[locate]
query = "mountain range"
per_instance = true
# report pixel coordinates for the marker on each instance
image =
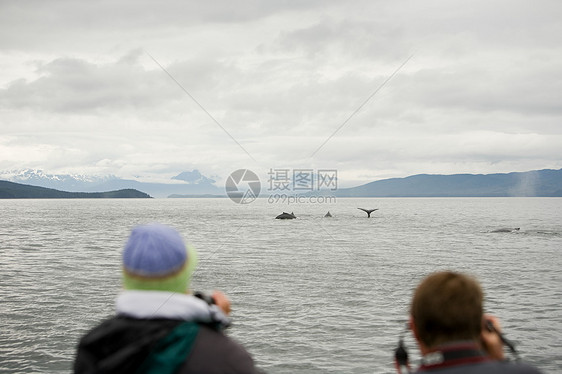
(186, 183)
(545, 182)
(11, 190)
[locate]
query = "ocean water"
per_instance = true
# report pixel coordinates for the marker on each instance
(311, 295)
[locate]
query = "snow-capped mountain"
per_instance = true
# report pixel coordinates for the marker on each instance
(194, 183)
(64, 182)
(193, 177)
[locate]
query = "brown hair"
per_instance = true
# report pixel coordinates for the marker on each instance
(446, 307)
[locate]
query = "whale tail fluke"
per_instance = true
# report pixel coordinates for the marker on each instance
(368, 211)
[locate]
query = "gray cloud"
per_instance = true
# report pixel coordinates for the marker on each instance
(40, 25)
(76, 85)
(487, 88)
(480, 94)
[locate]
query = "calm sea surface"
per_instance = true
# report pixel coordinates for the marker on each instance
(311, 295)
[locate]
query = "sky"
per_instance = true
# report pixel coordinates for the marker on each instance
(372, 89)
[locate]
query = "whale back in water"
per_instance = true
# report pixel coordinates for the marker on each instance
(328, 214)
(286, 215)
(506, 230)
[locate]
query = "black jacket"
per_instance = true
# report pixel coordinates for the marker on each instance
(129, 345)
(467, 358)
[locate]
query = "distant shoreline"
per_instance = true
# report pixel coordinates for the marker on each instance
(11, 190)
(534, 183)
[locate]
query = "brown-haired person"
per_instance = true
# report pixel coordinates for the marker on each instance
(452, 332)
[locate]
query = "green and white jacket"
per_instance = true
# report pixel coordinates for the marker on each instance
(162, 332)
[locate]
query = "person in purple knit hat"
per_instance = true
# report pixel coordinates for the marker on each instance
(159, 327)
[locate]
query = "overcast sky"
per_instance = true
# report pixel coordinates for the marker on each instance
(475, 87)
